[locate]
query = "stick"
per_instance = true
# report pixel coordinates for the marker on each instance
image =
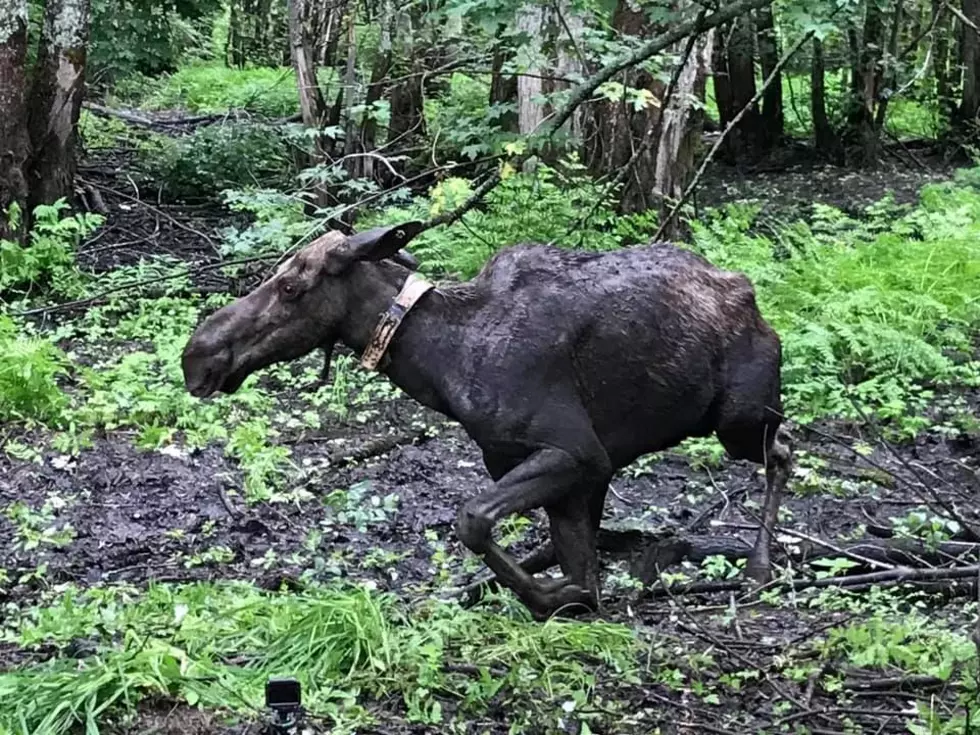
(892, 576)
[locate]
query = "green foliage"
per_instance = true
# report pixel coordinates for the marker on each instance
(48, 258)
(461, 122)
(277, 223)
(212, 88)
(217, 157)
(145, 36)
(177, 641)
(548, 205)
(29, 369)
(871, 317)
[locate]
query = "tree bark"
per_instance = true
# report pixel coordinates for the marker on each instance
(571, 25)
(503, 87)
(406, 95)
(886, 74)
(772, 98)
(56, 101)
(379, 75)
(14, 139)
(680, 132)
(615, 129)
(940, 62)
(313, 108)
(530, 112)
(865, 83)
(825, 139)
(311, 104)
(970, 61)
(746, 138)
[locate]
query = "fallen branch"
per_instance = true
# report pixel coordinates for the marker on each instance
(911, 681)
(376, 447)
(902, 575)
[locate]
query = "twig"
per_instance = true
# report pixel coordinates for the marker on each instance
(891, 576)
(170, 218)
(914, 681)
(728, 128)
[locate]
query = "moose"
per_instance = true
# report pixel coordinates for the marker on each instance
(562, 365)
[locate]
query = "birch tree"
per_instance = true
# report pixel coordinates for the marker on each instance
(56, 100)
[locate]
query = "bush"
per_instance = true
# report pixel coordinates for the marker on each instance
(49, 256)
(874, 314)
(218, 157)
(562, 206)
(29, 369)
(265, 91)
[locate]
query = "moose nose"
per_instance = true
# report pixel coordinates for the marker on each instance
(205, 367)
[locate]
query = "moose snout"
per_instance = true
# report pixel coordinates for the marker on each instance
(205, 367)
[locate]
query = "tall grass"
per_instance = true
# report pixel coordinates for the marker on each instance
(215, 645)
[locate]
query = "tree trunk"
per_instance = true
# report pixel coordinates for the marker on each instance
(886, 73)
(614, 130)
(747, 137)
(313, 109)
(56, 101)
(569, 59)
(970, 60)
(379, 75)
(530, 112)
(940, 62)
(503, 88)
(825, 139)
(14, 140)
(772, 98)
(865, 83)
(406, 96)
(311, 104)
(680, 133)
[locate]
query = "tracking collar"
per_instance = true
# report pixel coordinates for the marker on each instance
(414, 288)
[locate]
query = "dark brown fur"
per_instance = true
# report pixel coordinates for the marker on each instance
(563, 366)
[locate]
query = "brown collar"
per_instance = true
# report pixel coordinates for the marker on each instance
(415, 287)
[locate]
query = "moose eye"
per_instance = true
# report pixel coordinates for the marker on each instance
(288, 289)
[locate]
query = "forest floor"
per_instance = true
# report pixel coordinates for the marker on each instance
(723, 661)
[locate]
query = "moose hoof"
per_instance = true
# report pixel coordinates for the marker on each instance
(564, 597)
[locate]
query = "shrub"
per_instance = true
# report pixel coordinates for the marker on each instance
(49, 256)
(562, 205)
(29, 369)
(217, 157)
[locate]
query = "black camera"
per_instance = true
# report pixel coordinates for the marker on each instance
(284, 697)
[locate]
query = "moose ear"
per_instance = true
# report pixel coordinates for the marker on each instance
(383, 242)
(406, 259)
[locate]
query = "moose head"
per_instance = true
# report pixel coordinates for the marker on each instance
(305, 305)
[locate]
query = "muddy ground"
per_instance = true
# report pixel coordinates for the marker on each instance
(141, 515)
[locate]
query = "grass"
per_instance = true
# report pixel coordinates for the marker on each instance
(215, 645)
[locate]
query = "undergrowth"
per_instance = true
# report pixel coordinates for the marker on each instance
(215, 645)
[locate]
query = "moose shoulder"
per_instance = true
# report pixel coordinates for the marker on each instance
(563, 366)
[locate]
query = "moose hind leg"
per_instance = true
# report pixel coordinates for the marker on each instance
(769, 444)
(574, 538)
(779, 463)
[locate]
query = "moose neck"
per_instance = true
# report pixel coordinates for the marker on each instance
(412, 360)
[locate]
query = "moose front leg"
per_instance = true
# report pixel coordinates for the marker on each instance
(550, 478)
